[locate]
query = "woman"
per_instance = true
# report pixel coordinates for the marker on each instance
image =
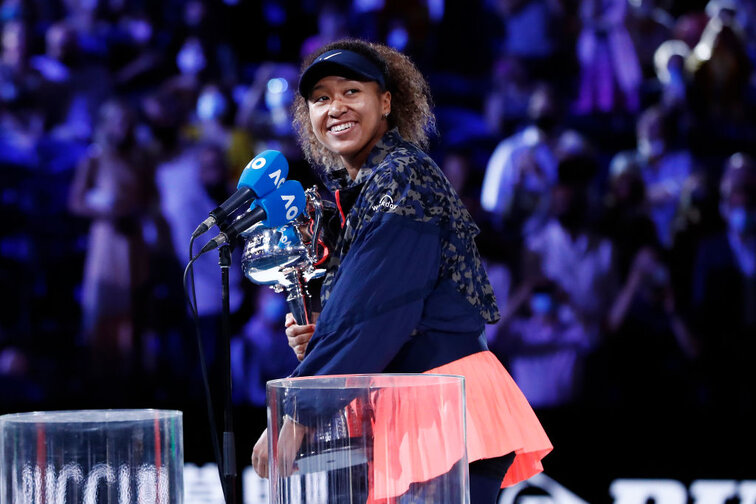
(405, 290)
(114, 187)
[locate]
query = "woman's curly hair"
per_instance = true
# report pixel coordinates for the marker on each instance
(411, 104)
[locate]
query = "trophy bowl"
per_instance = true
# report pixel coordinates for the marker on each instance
(285, 260)
(270, 252)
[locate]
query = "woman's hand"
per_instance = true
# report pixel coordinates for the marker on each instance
(299, 335)
(260, 455)
(289, 440)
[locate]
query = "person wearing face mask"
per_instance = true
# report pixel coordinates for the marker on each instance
(523, 168)
(571, 255)
(544, 342)
(724, 289)
(664, 170)
(405, 290)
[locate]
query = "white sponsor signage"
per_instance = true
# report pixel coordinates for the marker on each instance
(202, 487)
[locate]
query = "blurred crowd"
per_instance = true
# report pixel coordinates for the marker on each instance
(604, 147)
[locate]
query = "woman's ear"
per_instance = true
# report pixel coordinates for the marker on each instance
(386, 103)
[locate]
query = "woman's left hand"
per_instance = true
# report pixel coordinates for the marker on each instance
(289, 440)
(299, 335)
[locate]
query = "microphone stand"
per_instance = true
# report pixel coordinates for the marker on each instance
(229, 446)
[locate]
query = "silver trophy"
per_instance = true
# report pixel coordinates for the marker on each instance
(286, 258)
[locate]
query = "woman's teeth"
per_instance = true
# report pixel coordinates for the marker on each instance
(341, 127)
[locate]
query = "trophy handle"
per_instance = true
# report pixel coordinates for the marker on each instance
(315, 212)
(298, 299)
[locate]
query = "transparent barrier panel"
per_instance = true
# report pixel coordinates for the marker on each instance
(396, 438)
(92, 457)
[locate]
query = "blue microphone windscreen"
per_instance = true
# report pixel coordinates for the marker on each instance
(265, 173)
(288, 237)
(283, 205)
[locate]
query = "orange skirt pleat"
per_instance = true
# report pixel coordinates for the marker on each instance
(499, 417)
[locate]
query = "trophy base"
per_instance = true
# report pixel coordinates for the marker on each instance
(332, 459)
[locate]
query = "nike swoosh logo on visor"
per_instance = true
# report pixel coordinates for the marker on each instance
(332, 55)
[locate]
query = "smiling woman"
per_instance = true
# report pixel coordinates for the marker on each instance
(410, 100)
(405, 290)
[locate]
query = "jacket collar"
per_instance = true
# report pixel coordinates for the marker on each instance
(339, 179)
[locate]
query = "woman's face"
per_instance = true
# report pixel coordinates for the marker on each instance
(347, 117)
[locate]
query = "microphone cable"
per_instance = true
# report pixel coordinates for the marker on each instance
(192, 300)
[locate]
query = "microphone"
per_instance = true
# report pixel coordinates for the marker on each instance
(275, 209)
(264, 174)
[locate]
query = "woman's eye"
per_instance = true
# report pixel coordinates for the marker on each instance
(352, 91)
(319, 99)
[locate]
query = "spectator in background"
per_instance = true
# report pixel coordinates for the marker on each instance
(569, 280)
(720, 67)
(531, 33)
(663, 169)
(14, 61)
(192, 179)
(608, 60)
(265, 109)
(138, 55)
(74, 86)
(724, 289)
(506, 104)
(20, 117)
(568, 250)
(647, 330)
(649, 26)
(644, 323)
(210, 122)
(544, 343)
(332, 26)
(261, 352)
(192, 63)
(697, 218)
(523, 168)
(669, 63)
(213, 123)
(114, 187)
(458, 164)
(625, 218)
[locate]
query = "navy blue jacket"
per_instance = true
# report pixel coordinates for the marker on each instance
(405, 289)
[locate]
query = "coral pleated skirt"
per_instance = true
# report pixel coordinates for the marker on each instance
(499, 418)
(499, 421)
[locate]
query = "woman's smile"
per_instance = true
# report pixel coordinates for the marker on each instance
(341, 127)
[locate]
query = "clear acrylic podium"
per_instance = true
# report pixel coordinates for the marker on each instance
(384, 438)
(92, 457)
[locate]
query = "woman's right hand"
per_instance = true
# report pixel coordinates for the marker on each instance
(260, 455)
(299, 335)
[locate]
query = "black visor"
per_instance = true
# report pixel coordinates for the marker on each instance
(343, 63)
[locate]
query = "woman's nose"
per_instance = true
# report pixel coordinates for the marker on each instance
(337, 107)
